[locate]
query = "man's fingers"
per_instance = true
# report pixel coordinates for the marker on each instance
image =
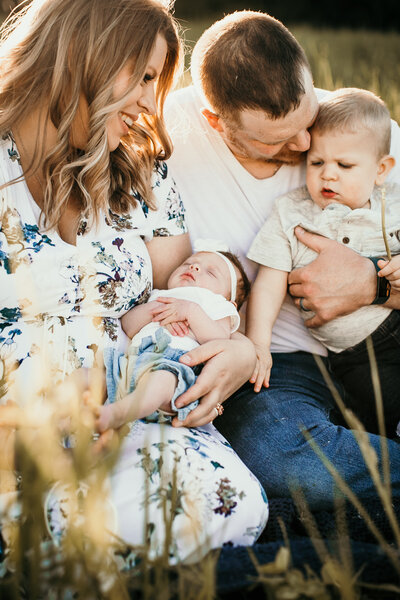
(296, 283)
(312, 240)
(315, 321)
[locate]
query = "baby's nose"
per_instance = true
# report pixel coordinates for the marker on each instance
(195, 267)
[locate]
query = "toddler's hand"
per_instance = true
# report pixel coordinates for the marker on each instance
(262, 369)
(391, 270)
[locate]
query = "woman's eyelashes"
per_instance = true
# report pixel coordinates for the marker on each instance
(147, 78)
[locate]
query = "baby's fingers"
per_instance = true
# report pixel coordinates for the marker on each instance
(166, 320)
(164, 315)
(178, 328)
(159, 310)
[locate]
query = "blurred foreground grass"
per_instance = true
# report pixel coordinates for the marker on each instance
(340, 58)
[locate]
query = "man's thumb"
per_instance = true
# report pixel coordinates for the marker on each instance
(312, 240)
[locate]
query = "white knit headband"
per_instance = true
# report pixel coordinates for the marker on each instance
(216, 247)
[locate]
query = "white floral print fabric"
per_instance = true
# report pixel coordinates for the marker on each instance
(60, 304)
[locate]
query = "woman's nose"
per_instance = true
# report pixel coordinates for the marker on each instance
(147, 100)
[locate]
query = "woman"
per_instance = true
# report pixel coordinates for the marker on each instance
(87, 208)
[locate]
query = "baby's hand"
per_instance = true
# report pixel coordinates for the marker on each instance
(262, 369)
(179, 328)
(172, 311)
(391, 270)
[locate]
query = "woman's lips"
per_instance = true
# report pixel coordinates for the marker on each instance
(127, 120)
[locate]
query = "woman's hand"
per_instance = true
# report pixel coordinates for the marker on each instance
(228, 365)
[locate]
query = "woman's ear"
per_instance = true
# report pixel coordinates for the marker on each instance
(385, 165)
(213, 120)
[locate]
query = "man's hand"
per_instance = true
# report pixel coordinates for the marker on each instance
(228, 365)
(337, 282)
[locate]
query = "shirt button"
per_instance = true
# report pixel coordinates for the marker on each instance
(345, 240)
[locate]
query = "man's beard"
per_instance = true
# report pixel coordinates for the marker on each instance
(287, 157)
(283, 157)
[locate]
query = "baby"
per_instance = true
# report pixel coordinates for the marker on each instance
(201, 304)
(347, 165)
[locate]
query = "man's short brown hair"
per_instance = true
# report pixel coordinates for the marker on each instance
(249, 60)
(352, 109)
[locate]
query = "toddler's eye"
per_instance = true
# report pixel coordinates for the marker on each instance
(315, 163)
(344, 165)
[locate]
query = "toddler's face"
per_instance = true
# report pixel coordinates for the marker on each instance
(203, 269)
(343, 168)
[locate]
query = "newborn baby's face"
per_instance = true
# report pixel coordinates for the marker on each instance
(203, 269)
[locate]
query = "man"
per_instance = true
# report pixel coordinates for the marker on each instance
(239, 134)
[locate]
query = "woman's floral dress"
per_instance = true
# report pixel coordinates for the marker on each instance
(60, 305)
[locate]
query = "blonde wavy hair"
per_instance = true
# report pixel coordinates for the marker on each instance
(51, 52)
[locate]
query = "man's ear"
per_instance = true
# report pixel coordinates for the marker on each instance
(386, 164)
(213, 120)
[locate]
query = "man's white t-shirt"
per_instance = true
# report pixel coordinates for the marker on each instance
(224, 201)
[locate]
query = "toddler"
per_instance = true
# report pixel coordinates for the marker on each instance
(347, 164)
(200, 304)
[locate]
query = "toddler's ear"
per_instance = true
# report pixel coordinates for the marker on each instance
(385, 165)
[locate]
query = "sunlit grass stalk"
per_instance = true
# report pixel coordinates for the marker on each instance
(381, 418)
(383, 220)
(309, 523)
(339, 573)
(346, 556)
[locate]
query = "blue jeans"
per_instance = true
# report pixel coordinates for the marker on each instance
(352, 368)
(265, 429)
